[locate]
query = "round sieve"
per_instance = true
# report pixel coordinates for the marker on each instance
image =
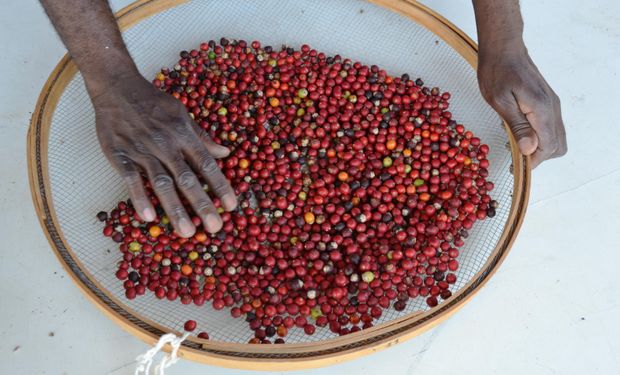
(71, 180)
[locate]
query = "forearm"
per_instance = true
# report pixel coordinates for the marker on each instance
(90, 33)
(513, 86)
(500, 27)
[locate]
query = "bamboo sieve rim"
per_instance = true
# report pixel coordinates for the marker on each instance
(288, 356)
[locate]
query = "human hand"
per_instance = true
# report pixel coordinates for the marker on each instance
(142, 129)
(514, 87)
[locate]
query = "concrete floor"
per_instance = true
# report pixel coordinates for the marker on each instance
(551, 309)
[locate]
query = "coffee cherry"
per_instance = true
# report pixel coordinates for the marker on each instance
(355, 191)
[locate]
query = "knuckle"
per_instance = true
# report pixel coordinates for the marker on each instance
(562, 150)
(562, 132)
(187, 179)
(220, 186)
(202, 134)
(547, 143)
(207, 164)
(125, 166)
(119, 153)
(162, 182)
(159, 138)
(204, 206)
(184, 130)
(121, 157)
(564, 146)
(548, 148)
(542, 97)
(140, 147)
(552, 151)
(176, 212)
(132, 178)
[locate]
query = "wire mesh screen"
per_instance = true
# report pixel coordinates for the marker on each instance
(83, 183)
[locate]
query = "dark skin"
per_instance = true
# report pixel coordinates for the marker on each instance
(142, 130)
(512, 84)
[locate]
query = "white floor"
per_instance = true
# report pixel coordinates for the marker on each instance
(552, 308)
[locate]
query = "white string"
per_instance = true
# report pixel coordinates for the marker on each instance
(146, 360)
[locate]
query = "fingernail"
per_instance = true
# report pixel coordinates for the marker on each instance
(186, 227)
(527, 145)
(148, 214)
(217, 151)
(229, 202)
(223, 150)
(213, 223)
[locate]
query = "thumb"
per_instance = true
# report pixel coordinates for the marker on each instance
(521, 129)
(217, 151)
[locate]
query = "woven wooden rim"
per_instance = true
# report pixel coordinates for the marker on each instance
(261, 357)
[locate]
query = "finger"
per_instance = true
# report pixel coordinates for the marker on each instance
(190, 186)
(217, 151)
(563, 146)
(205, 164)
(163, 186)
(538, 157)
(543, 113)
(131, 175)
(522, 130)
(560, 150)
(546, 149)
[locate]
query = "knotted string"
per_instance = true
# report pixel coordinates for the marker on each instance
(146, 360)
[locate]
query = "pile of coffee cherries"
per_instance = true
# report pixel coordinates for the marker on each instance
(356, 191)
